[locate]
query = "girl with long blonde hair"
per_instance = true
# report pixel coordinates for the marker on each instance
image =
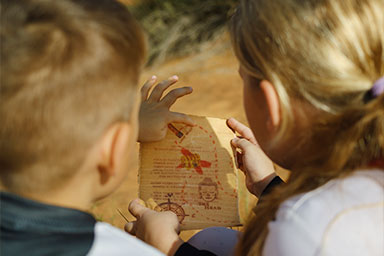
(313, 73)
(324, 61)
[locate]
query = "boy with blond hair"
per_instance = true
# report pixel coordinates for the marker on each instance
(69, 123)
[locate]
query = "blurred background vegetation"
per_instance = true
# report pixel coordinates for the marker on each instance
(179, 27)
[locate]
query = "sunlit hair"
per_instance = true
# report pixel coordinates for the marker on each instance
(69, 70)
(327, 54)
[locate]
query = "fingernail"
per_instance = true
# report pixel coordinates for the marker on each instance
(153, 77)
(175, 77)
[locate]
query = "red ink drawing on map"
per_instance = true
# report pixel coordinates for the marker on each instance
(175, 131)
(190, 160)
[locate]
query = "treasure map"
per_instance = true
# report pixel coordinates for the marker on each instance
(193, 174)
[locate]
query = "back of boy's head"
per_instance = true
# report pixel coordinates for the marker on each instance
(69, 70)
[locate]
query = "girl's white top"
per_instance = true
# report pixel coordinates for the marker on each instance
(343, 217)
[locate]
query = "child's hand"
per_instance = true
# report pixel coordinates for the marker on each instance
(257, 167)
(159, 229)
(154, 113)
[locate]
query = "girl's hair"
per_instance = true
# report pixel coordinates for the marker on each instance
(328, 54)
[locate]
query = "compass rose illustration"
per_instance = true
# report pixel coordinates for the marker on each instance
(173, 207)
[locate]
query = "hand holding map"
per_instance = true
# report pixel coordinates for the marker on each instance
(154, 109)
(259, 170)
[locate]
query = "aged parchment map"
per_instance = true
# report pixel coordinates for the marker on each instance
(192, 173)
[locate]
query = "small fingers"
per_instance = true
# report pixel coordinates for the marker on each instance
(136, 209)
(175, 117)
(147, 87)
(241, 143)
(238, 157)
(130, 227)
(161, 87)
(242, 129)
(175, 94)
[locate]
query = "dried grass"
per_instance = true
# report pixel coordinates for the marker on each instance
(179, 27)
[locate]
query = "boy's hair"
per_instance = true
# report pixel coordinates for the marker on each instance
(327, 54)
(69, 69)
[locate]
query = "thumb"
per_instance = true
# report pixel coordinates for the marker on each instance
(176, 117)
(130, 227)
(136, 209)
(242, 143)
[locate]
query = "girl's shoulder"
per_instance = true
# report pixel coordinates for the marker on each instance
(360, 188)
(327, 220)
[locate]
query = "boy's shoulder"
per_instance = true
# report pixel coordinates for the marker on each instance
(112, 241)
(44, 229)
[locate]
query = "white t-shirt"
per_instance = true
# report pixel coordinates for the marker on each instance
(342, 217)
(111, 241)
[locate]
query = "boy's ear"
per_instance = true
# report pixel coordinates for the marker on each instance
(114, 151)
(273, 104)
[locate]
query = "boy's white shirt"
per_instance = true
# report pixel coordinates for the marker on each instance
(112, 241)
(343, 217)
